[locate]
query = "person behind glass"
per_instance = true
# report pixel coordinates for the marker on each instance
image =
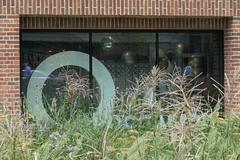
(27, 70)
(26, 74)
(188, 72)
(168, 64)
(166, 61)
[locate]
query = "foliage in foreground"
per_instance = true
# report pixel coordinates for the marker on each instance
(179, 124)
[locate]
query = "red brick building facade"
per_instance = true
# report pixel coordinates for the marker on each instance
(17, 15)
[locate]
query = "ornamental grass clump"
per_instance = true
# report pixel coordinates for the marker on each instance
(161, 116)
(73, 96)
(162, 98)
(15, 137)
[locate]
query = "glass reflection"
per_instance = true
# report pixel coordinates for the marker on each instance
(194, 53)
(38, 46)
(126, 55)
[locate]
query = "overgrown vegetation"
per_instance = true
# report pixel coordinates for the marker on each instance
(176, 121)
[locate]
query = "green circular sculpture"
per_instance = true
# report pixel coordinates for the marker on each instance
(74, 58)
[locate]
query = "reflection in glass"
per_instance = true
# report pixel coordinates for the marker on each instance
(130, 56)
(193, 53)
(127, 56)
(38, 46)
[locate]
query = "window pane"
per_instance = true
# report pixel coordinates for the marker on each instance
(201, 51)
(37, 47)
(126, 55)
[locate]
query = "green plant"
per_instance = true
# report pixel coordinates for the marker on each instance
(179, 122)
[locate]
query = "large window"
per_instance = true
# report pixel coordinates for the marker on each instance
(126, 55)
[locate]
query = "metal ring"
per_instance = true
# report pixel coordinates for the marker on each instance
(74, 58)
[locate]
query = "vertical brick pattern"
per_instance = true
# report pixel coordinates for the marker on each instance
(232, 66)
(9, 63)
(188, 23)
(122, 7)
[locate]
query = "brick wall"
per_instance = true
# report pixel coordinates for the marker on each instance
(232, 66)
(86, 23)
(122, 7)
(9, 63)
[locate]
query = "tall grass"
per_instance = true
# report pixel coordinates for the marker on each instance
(173, 120)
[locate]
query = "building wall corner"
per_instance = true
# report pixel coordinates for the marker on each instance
(10, 64)
(232, 66)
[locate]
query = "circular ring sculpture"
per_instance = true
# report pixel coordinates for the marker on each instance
(74, 58)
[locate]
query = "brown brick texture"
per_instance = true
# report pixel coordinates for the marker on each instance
(232, 66)
(123, 23)
(9, 63)
(122, 7)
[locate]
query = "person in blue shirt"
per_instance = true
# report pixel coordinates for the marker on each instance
(27, 70)
(187, 70)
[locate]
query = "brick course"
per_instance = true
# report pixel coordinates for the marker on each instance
(122, 7)
(86, 23)
(232, 66)
(115, 14)
(9, 63)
